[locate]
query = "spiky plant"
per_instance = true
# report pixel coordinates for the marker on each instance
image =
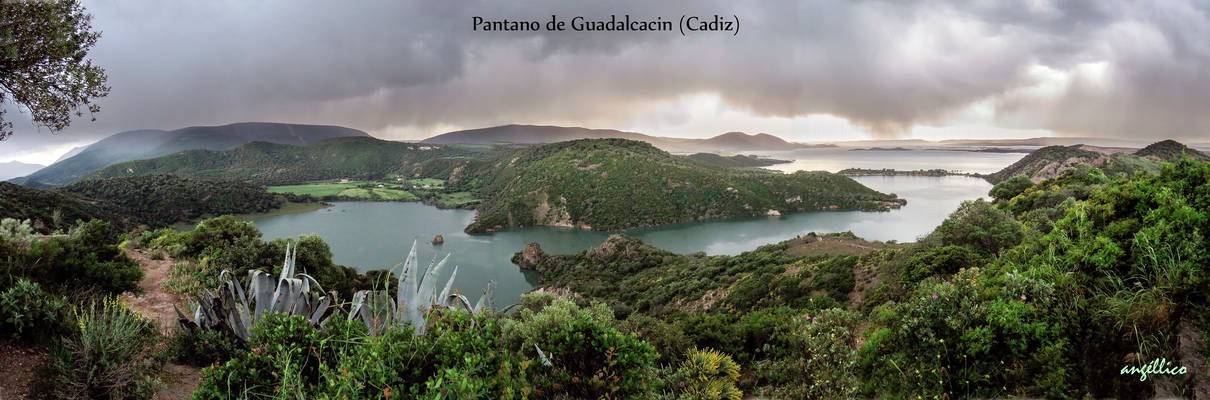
(709, 375)
(415, 296)
(236, 310)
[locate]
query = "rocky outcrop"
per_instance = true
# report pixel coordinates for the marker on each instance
(531, 257)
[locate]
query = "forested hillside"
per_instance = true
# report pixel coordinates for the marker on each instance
(1049, 291)
(127, 202)
(50, 210)
(610, 184)
(160, 200)
(151, 143)
(735, 161)
(267, 163)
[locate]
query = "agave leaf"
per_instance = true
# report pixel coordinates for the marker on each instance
(231, 313)
(443, 299)
(462, 301)
(307, 281)
(428, 285)
(288, 293)
(262, 287)
(542, 356)
(407, 306)
(320, 309)
(359, 301)
(287, 267)
(293, 260)
(485, 301)
(199, 317)
(184, 321)
(377, 312)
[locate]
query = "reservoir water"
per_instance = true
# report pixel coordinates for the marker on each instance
(377, 235)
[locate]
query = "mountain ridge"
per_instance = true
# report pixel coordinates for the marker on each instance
(150, 143)
(546, 134)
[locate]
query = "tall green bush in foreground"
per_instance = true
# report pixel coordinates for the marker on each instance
(584, 354)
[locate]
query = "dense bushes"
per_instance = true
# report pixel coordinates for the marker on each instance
(230, 244)
(162, 200)
(200, 347)
(85, 260)
(589, 357)
(1047, 292)
(585, 354)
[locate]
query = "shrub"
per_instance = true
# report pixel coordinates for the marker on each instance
(671, 342)
(1010, 188)
(277, 340)
(589, 357)
(16, 231)
(817, 360)
(86, 259)
(108, 357)
(944, 260)
(201, 347)
(28, 312)
(460, 357)
(707, 375)
(980, 226)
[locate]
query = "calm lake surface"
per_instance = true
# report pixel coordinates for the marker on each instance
(377, 235)
(836, 159)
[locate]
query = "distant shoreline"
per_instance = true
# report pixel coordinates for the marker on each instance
(895, 172)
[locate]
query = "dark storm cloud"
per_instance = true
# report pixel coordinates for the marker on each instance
(1102, 68)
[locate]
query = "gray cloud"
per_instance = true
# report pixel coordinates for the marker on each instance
(1100, 68)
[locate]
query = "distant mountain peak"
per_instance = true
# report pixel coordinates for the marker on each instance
(543, 134)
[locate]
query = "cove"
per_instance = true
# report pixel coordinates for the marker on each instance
(377, 235)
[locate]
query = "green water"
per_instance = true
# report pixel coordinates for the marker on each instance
(375, 235)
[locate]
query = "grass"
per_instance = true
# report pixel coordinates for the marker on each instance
(356, 193)
(394, 194)
(456, 199)
(313, 189)
(361, 190)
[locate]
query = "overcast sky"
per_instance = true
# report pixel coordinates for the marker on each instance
(803, 70)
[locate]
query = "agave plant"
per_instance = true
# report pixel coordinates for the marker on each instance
(236, 310)
(415, 296)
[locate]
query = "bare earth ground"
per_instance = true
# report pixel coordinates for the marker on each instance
(20, 364)
(156, 303)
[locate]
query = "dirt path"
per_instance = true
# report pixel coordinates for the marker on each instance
(156, 303)
(21, 364)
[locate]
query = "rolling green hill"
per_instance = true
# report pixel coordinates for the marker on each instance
(150, 143)
(357, 158)
(611, 184)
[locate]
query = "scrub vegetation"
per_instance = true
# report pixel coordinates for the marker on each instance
(1048, 290)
